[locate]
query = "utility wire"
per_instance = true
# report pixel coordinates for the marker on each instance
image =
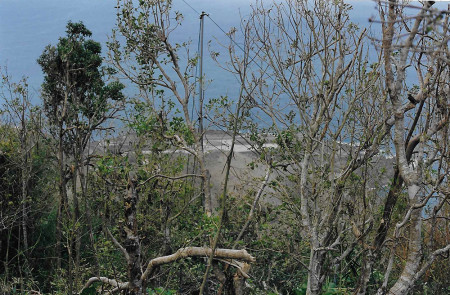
(217, 25)
(232, 40)
(191, 7)
(235, 43)
(276, 83)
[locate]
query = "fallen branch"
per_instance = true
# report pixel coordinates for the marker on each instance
(235, 255)
(104, 280)
(197, 252)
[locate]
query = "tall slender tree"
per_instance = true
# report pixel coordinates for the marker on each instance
(77, 101)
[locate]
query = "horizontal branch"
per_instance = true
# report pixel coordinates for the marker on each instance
(105, 280)
(169, 177)
(180, 254)
(197, 252)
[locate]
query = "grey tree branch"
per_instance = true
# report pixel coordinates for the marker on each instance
(197, 252)
(105, 280)
(255, 203)
(118, 245)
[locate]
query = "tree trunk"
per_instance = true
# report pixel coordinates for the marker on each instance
(25, 175)
(314, 286)
(88, 215)
(24, 204)
(239, 280)
(207, 200)
(414, 259)
(131, 244)
(366, 272)
(58, 234)
(382, 231)
(76, 221)
(63, 202)
(6, 262)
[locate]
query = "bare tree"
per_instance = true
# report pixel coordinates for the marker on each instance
(420, 41)
(325, 103)
(23, 116)
(319, 91)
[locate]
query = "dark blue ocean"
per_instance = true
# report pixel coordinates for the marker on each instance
(27, 26)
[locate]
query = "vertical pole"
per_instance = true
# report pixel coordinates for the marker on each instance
(200, 123)
(202, 92)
